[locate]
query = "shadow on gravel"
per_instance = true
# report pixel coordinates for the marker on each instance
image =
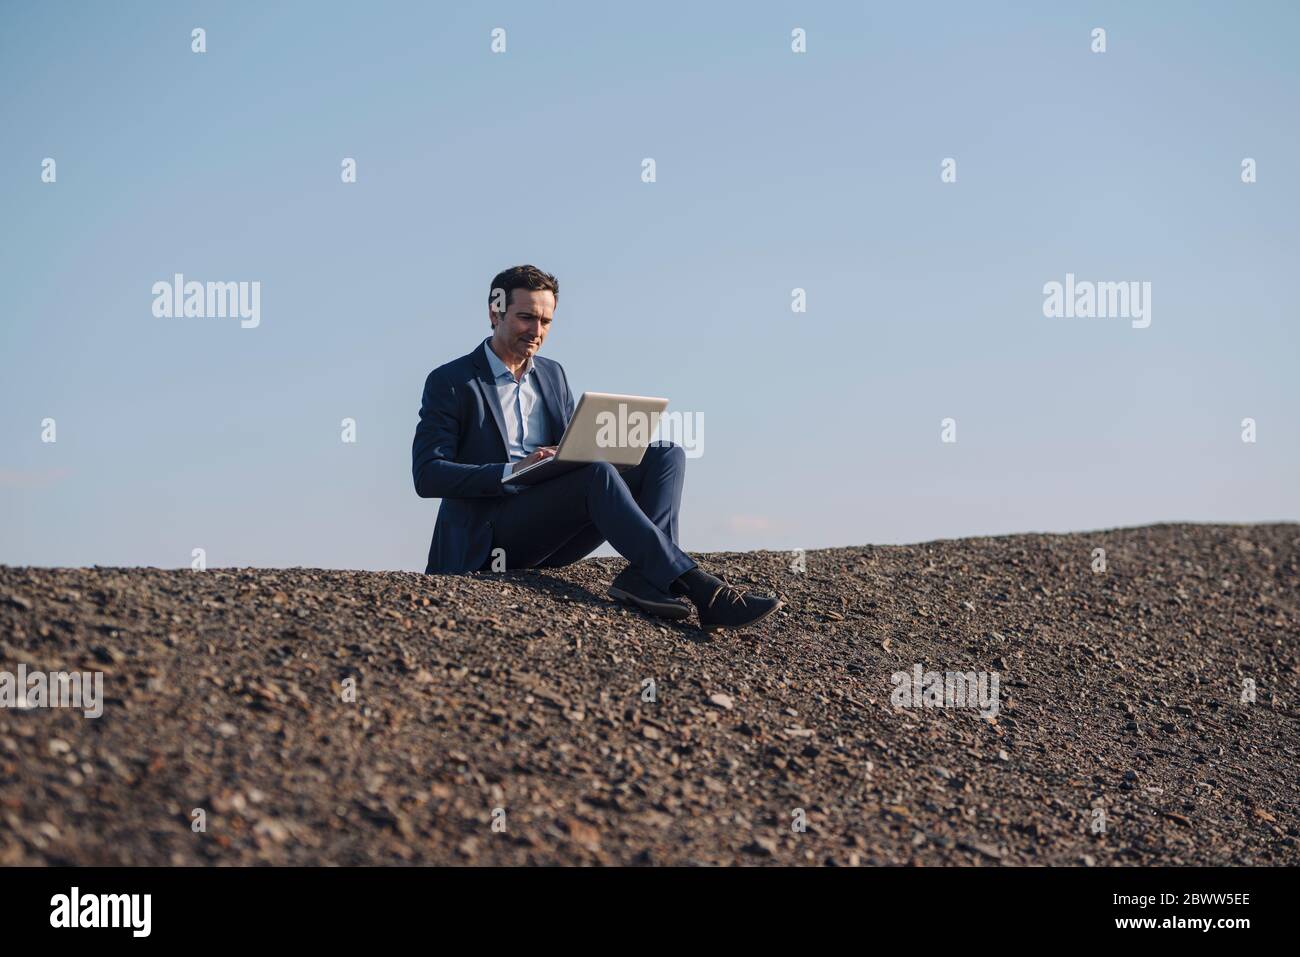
(542, 582)
(545, 583)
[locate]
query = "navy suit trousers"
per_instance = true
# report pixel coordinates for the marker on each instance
(561, 521)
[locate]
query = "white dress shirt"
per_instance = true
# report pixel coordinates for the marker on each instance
(521, 404)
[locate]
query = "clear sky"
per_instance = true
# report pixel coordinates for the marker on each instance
(775, 171)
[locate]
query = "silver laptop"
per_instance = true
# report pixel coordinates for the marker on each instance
(604, 428)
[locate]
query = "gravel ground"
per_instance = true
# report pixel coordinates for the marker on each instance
(1121, 736)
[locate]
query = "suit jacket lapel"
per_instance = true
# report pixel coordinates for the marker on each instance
(488, 386)
(550, 390)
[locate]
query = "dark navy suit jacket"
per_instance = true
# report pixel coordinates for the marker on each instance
(460, 450)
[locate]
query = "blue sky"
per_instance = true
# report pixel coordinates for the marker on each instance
(775, 170)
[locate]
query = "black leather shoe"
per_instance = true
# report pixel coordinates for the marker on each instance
(732, 608)
(631, 587)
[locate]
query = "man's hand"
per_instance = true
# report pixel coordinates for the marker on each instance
(543, 452)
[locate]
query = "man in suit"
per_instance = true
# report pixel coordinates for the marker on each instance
(502, 407)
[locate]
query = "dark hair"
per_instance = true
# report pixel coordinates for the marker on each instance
(523, 277)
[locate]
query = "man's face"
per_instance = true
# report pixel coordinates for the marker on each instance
(527, 320)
